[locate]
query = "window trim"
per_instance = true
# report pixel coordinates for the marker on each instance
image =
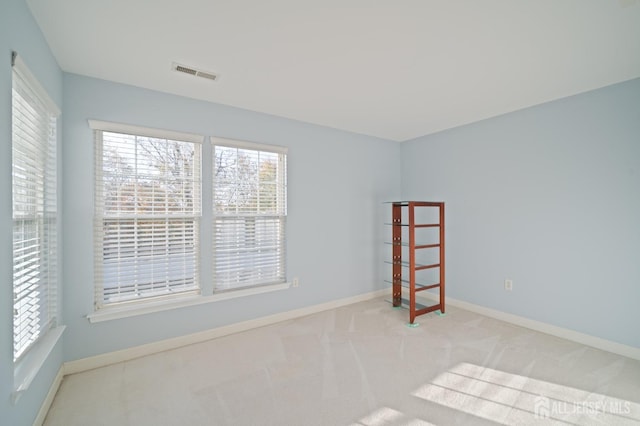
(99, 127)
(236, 143)
(207, 295)
(282, 152)
(109, 313)
(26, 369)
(27, 366)
(109, 126)
(21, 68)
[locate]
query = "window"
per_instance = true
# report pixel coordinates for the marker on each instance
(34, 183)
(249, 214)
(147, 213)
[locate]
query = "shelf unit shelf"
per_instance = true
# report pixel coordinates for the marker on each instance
(418, 246)
(405, 270)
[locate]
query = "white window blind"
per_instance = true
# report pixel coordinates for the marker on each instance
(34, 118)
(147, 213)
(250, 211)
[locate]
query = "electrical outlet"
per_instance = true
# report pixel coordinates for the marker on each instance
(508, 285)
(296, 282)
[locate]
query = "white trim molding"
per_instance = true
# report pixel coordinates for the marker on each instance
(48, 400)
(564, 333)
(235, 143)
(103, 360)
(22, 69)
(165, 304)
(27, 368)
(107, 126)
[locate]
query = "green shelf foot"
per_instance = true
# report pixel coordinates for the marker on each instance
(414, 325)
(440, 313)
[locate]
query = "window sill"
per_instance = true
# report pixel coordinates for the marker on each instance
(26, 369)
(113, 313)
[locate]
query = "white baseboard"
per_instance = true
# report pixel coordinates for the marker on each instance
(103, 360)
(48, 400)
(565, 333)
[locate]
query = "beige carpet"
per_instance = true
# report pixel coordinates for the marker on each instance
(361, 365)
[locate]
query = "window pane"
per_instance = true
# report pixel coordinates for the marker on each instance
(34, 213)
(149, 206)
(249, 217)
(146, 258)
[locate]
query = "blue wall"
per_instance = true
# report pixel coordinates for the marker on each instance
(337, 182)
(19, 32)
(549, 197)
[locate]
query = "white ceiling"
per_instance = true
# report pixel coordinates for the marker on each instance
(393, 69)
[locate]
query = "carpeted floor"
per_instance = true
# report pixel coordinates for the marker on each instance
(361, 365)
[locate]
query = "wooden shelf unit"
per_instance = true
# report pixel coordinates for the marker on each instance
(404, 272)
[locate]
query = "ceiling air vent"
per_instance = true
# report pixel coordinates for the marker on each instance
(195, 72)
